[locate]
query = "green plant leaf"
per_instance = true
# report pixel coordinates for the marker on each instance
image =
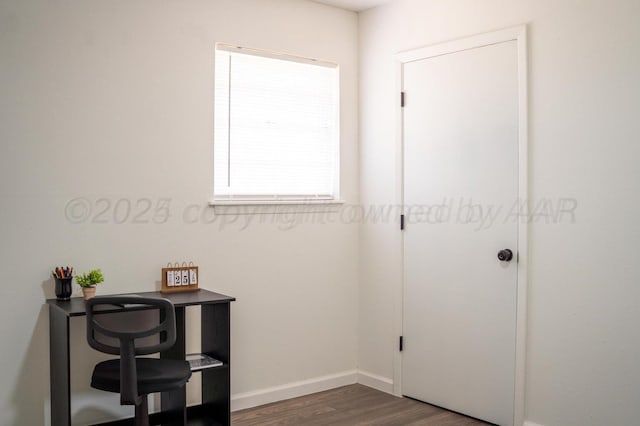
(90, 279)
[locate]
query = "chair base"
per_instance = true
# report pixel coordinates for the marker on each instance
(142, 411)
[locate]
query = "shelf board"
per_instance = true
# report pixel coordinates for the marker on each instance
(203, 421)
(195, 417)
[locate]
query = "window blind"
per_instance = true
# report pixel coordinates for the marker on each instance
(276, 127)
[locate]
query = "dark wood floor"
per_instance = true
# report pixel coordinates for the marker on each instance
(350, 405)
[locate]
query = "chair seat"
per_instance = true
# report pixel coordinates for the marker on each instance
(154, 375)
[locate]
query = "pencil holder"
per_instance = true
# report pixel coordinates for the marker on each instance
(63, 288)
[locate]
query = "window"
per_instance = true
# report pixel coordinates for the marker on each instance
(276, 127)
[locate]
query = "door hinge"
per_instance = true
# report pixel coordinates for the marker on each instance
(401, 344)
(402, 96)
(402, 222)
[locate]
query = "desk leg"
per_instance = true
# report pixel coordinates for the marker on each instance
(174, 403)
(216, 382)
(59, 368)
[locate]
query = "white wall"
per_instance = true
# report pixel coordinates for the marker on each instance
(583, 344)
(114, 100)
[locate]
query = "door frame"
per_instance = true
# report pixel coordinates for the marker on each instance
(518, 34)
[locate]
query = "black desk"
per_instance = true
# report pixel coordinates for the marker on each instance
(215, 341)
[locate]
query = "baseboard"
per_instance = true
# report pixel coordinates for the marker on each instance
(292, 390)
(305, 387)
(371, 380)
(528, 423)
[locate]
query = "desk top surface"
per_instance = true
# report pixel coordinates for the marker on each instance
(76, 306)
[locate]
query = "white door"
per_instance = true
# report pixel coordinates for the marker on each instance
(460, 184)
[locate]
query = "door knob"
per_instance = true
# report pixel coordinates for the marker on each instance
(505, 255)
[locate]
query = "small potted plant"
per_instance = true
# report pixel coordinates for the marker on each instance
(89, 281)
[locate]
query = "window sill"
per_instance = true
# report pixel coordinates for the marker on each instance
(275, 206)
(275, 202)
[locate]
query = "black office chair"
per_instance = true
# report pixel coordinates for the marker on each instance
(135, 378)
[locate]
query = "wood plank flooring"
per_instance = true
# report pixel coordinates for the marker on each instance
(354, 405)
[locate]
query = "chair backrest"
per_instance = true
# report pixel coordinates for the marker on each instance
(166, 328)
(127, 349)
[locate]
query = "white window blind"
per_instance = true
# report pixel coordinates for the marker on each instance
(276, 126)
